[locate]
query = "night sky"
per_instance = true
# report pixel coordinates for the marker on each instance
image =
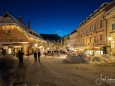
(51, 16)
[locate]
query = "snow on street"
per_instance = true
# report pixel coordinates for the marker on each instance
(54, 72)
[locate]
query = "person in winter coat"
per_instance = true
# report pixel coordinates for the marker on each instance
(20, 56)
(35, 55)
(39, 54)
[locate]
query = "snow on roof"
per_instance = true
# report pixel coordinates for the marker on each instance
(7, 18)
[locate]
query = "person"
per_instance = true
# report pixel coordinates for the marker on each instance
(20, 56)
(39, 54)
(3, 51)
(104, 50)
(35, 56)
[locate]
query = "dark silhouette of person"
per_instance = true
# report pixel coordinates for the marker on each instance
(39, 54)
(35, 55)
(20, 56)
(104, 50)
(3, 51)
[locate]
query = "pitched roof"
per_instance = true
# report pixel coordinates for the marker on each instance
(7, 18)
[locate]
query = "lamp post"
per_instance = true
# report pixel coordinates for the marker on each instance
(110, 38)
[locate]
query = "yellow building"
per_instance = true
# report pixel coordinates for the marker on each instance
(92, 33)
(73, 40)
(14, 35)
(110, 17)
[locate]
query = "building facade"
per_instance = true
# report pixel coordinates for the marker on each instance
(110, 18)
(92, 32)
(14, 35)
(66, 41)
(73, 40)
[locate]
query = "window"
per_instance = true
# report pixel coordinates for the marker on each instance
(21, 40)
(90, 39)
(10, 39)
(8, 31)
(94, 26)
(100, 23)
(95, 39)
(101, 38)
(84, 31)
(112, 44)
(113, 26)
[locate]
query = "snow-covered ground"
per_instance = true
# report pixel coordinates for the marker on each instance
(54, 72)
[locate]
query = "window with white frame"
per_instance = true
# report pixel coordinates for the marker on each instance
(8, 32)
(10, 39)
(21, 39)
(113, 44)
(113, 26)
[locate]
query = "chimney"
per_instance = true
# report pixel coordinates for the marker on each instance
(29, 24)
(20, 19)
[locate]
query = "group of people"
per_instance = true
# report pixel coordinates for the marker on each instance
(37, 55)
(21, 54)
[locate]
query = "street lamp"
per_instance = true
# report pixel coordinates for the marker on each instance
(110, 38)
(36, 45)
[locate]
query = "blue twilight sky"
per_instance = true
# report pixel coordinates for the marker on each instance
(51, 16)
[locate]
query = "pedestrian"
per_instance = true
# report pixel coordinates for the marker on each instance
(35, 55)
(39, 54)
(20, 56)
(3, 51)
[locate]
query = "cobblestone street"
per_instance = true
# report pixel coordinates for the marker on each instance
(54, 72)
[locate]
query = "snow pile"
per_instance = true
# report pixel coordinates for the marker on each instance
(79, 58)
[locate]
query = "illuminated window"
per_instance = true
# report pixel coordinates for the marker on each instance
(3, 27)
(100, 23)
(8, 31)
(21, 40)
(7, 26)
(113, 26)
(10, 39)
(112, 44)
(12, 26)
